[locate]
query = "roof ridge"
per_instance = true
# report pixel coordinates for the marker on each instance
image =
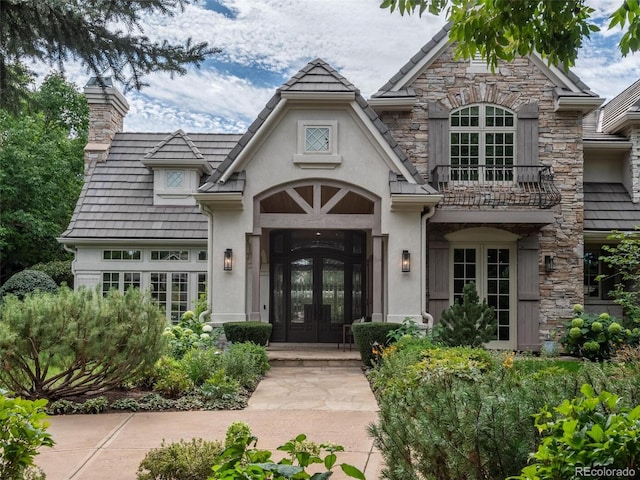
(317, 62)
(178, 133)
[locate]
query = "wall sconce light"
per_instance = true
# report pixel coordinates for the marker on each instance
(406, 261)
(228, 260)
(549, 263)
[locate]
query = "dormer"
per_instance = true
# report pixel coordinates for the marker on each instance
(177, 167)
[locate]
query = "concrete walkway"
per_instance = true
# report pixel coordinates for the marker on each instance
(326, 403)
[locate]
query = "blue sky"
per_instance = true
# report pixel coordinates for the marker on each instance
(264, 42)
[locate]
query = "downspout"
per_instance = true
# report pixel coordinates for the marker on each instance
(209, 214)
(426, 316)
(73, 251)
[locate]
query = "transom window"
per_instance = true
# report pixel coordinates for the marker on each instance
(175, 178)
(170, 255)
(482, 139)
(316, 139)
(121, 254)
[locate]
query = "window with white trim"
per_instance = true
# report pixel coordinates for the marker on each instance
(121, 281)
(170, 255)
(121, 254)
(317, 144)
(482, 143)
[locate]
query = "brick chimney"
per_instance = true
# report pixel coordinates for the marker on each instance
(107, 109)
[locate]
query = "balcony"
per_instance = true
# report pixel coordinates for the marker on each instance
(495, 186)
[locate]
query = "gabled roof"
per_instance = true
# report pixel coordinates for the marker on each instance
(624, 108)
(176, 149)
(116, 201)
(399, 86)
(317, 81)
(608, 206)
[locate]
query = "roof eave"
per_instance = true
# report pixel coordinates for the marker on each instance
(580, 103)
(629, 119)
(321, 96)
(408, 202)
(613, 144)
(399, 104)
(115, 242)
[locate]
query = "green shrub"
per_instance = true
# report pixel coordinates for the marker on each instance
(256, 332)
(596, 337)
(199, 364)
(588, 436)
(246, 362)
(71, 343)
(220, 386)
(171, 378)
(180, 461)
(241, 458)
(468, 323)
(368, 335)
(465, 413)
(58, 270)
(28, 281)
(22, 432)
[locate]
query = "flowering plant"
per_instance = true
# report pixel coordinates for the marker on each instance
(596, 337)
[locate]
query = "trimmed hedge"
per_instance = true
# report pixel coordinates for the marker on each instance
(256, 332)
(367, 333)
(28, 281)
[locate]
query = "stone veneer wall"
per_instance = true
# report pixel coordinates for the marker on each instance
(560, 145)
(107, 109)
(634, 162)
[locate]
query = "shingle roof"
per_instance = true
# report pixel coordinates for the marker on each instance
(591, 131)
(117, 198)
(317, 76)
(608, 206)
(627, 101)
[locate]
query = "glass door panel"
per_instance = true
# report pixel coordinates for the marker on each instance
(333, 290)
(301, 289)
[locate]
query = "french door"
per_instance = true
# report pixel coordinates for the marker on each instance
(492, 268)
(317, 288)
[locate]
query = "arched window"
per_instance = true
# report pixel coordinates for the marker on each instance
(482, 143)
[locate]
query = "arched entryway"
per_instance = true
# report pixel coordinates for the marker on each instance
(324, 256)
(318, 283)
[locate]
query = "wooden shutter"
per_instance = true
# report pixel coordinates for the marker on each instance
(528, 321)
(527, 142)
(438, 277)
(439, 139)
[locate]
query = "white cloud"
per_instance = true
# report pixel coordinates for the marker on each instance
(364, 43)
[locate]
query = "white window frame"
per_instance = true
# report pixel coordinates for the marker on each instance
(130, 252)
(481, 283)
(464, 173)
(122, 284)
(327, 159)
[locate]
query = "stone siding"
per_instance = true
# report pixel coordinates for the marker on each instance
(514, 85)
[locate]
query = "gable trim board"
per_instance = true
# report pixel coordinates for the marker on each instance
(371, 184)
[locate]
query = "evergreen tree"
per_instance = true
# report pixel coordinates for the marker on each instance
(469, 323)
(105, 35)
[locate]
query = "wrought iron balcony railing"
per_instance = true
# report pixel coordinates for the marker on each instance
(499, 185)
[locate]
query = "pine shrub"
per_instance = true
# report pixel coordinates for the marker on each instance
(468, 323)
(71, 343)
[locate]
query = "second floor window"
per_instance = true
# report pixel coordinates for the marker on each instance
(482, 142)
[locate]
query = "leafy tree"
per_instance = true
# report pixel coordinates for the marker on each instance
(623, 256)
(505, 29)
(41, 172)
(467, 323)
(104, 35)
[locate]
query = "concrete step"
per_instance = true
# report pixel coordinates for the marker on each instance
(312, 355)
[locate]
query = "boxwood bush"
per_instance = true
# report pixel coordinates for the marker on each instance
(366, 334)
(28, 281)
(255, 332)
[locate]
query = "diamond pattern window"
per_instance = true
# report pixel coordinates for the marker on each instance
(175, 178)
(317, 139)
